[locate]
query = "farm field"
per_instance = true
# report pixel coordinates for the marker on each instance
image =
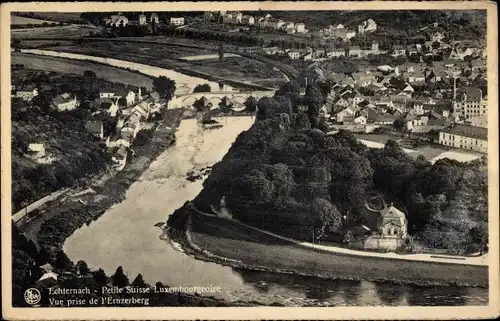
(231, 240)
(78, 67)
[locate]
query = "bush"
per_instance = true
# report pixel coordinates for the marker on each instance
(205, 88)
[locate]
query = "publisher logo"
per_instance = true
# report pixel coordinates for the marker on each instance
(32, 296)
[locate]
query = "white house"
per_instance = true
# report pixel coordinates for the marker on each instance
(300, 27)
(27, 93)
(360, 120)
(116, 21)
(177, 21)
(293, 54)
(120, 157)
(129, 95)
(65, 102)
(154, 18)
(35, 151)
(247, 20)
(349, 111)
(367, 26)
(142, 19)
(130, 129)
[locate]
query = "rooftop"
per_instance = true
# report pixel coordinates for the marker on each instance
(473, 93)
(467, 131)
(35, 147)
(94, 127)
(61, 99)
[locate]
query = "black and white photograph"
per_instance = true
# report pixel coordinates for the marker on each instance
(268, 156)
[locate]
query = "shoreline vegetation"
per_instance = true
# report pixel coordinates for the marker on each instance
(403, 272)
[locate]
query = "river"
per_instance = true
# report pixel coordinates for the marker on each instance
(184, 83)
(125, 235)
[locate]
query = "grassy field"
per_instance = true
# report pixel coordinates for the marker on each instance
(231, 240)
(18, 20)
(68, 31)
(78, 67)
(58, 16)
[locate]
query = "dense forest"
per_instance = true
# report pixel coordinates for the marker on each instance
(286, 175)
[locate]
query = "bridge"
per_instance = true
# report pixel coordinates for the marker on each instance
(214, 98)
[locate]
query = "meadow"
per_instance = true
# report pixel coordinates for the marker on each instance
(78, 67)
(235, 241)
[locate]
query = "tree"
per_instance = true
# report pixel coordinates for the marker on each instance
(399, 124)
(62, 261)
(258, 188)
(205, 88)
(282, 179)
(100, 277)
(164, 86)
(314, 99)
(264, 107)
(327, 217)
(82, 267)
(221, 52)
(300, 121)
(139, 281)
(89, 74)
(119, 278)
(323, 125)
(251, 104)
(392, 149)
(122, 102)
(16, 43)
(292, 90)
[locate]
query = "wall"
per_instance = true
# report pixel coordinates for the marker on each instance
(377, 243)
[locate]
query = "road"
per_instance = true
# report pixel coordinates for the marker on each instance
(450, 259)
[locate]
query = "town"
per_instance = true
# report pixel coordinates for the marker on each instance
(329, 135)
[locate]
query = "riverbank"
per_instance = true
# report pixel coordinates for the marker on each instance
(227, 243)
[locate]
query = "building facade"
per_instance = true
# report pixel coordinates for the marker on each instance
(471, 104)
(177, 21)
(466, 137)
(27, 94)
